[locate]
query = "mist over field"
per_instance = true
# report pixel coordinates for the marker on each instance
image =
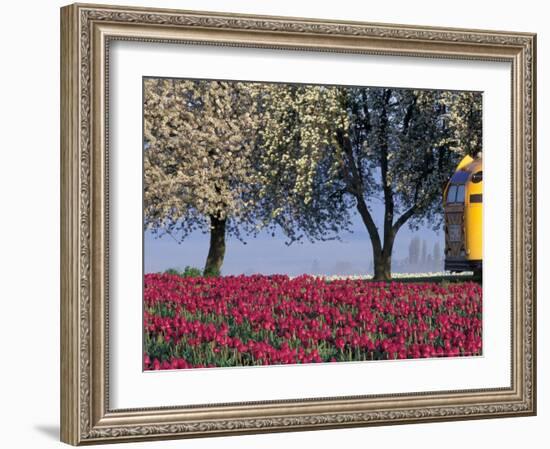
(266, 254)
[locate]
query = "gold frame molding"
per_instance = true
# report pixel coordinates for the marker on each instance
(86, 31)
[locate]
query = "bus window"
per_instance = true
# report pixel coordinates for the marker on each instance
(451, 194)
(460, 194)
(476, 198)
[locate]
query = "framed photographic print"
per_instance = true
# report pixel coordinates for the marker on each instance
(280, 224)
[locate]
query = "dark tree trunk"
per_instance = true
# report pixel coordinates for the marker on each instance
(382, 266)
(382, 262)
(382, 246)
(381, 251)
(216, 252)
(382, 257)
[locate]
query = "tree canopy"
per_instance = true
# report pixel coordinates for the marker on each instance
(232, 158)
(199, 172)
(350, 146)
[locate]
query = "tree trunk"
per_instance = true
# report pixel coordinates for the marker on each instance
(216, 252)
(382, 266)
(382, 258)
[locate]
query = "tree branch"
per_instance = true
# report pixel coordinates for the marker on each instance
(408, 116)
(403, 218)
(369, 223)
(384, 167)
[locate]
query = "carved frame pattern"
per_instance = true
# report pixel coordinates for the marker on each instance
(85, 415)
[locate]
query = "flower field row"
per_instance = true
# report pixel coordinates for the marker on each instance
(265, 320)
(396, 276)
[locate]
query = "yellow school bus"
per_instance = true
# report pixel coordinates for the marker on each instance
(463, 207)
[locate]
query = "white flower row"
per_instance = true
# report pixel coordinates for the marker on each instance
(395, 275)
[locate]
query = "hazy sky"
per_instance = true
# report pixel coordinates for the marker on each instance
(266, 254)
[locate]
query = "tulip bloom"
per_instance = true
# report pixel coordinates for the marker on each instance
(267, 320)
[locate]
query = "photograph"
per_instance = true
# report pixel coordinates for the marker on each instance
(273, 222)
(288, 223)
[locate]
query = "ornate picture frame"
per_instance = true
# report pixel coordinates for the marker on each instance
(87, 31)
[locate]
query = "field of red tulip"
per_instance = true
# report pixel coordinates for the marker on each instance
(227, 321)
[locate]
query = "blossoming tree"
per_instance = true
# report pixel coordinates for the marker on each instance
(296, 167)
(232, 158)
(198, 169)
(344, 148)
